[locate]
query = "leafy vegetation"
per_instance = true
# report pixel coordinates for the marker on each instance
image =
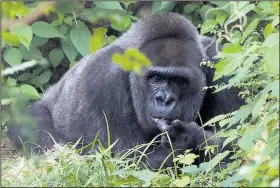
(36, 52)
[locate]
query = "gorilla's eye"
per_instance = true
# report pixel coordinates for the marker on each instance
(155, 78)
(180, 81)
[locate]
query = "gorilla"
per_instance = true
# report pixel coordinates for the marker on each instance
(167, 96)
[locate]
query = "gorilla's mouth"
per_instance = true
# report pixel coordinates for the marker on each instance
(168, 121)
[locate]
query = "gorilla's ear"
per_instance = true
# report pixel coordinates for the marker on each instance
(210, 46)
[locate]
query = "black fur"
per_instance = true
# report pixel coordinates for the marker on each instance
(76, 105)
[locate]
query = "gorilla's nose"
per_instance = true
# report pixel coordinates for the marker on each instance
(165, 99)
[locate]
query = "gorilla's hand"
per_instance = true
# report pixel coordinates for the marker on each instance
(182, 134)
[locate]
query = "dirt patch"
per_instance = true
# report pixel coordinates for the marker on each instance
(8, 150)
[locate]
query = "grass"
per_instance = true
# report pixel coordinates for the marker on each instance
(63, 166)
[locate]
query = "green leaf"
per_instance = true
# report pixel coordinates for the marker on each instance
(68, 20)
(56, 55)
(247, 141)
(3, 44)
(182, 182)
(23, 77)
(109, 5)
(232, 48)
(43, 29)
(36, 81)
(98, 39)
(206, 9)
(268, 30)
(38, 41)
(69, 49)
(24, 32)
(251, 27)
(67, 7)
(12, 56)
(160, 6)
(271, 40)
(221, 18)
(215, 119)
(242, 113)
(207, 26)
(271, 56)
(29, 90)
(45, 76)
(189, 8)
(11, 82)
(32, 54)
(193, 169)
(229, 139)
(217, 159)
(63, 29)
(132, 60)
(80, 38)
(10, 38)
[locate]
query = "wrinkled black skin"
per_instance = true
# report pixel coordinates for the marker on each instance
(170, 88)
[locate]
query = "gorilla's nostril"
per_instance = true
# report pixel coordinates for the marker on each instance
(170, 102)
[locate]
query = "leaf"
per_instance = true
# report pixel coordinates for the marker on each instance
(12, 56)
(159, 6)
(43, 29)
(38, 41)
(80, 38)
(232, 48)
(32, 54)
(268, 30)
(193, 169)
(207, 26)
(182, 182)
(23, 77)
(109, 5)
(24, 32)
(189, 8)
(217, 159)
(206, 9)
(132, 60)
(242, 113)
(63, 29)
(221, 18)
(10, 38)
(247, 141)
(56, 55)
(271, 40)
(45, 76)
(29, 90)
(98, 39)
(11, 82)
(251, 27)
(271, 55)
(215, 119)
(3, 44)
(229, 139)
(68, 20)
(69, 49)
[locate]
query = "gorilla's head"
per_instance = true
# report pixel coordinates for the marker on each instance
(172, 87)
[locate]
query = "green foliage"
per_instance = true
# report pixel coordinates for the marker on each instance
(249, 36)
(131, 60)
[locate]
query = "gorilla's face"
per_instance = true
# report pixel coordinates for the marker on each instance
(172, 87)
(165, 91)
